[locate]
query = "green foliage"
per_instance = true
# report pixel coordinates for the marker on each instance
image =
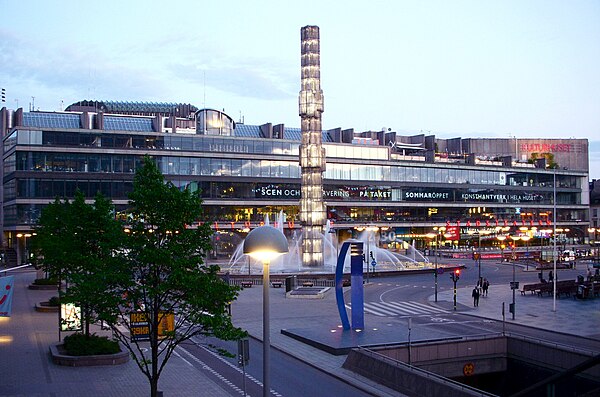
(88, 345)
(153, 263)
(54, 301)
(76, 242)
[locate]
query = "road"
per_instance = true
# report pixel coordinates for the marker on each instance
(403, 297)
(394, 300)
(289, 377)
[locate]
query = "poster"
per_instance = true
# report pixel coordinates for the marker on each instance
(6, 293)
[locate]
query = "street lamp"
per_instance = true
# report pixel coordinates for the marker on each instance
(595, 252)
(501, 238)
(513, 285)
(265, 243)
(479, 233)
(369, 229)
(526, 238)
(25, 236)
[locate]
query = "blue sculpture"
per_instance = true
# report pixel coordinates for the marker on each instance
(356, 278)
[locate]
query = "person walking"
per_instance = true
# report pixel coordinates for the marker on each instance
(475, 296)
(485, 286)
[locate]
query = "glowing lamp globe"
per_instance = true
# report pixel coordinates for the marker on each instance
(265, 243)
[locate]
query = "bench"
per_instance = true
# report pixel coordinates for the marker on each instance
(246, 284)
(566, 290)
(545, 287)
(530, 288)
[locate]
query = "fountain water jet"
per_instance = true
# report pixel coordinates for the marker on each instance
(292, 262)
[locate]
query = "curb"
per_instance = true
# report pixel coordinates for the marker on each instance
(87, 361)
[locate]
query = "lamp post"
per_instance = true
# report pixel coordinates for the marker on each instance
(513, 285)
(369, 229)
(479, 233)
(526, 238)
(25, 236)
(595, 253)
(334, 233)
(265, 243)
(435, 274)
(501, 238)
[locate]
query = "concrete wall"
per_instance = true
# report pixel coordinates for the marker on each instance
(549, 356)
(433, 363)
(450, 358)
(405, 379)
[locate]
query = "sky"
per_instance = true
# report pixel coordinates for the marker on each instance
(511, 68)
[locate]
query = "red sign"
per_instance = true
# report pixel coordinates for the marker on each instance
(547, 147)
(453, 233)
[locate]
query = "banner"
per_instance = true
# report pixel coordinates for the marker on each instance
(6, 292)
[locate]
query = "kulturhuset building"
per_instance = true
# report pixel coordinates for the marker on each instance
(406, 186)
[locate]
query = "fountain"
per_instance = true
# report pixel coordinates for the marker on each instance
(292, 263)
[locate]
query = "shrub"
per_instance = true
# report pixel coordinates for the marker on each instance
(53, 301)
(45, 281)
(81, 345)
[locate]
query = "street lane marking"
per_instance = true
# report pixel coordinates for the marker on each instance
(401, 309)
(206, 367)
(429, 308)
(237, 368)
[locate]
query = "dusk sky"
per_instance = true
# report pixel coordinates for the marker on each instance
(525, 69)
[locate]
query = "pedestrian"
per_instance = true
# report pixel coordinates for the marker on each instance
(485, 286)
(589, 274)
(550, 276)
(475, 296)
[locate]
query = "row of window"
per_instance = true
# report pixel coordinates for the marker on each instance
(28, 214)
(171, 165)
(32, 188)
(180, 142)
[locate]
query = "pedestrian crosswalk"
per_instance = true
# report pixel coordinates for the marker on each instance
(400, 309)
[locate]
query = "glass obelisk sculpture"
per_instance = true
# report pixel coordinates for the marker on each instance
(312, 154)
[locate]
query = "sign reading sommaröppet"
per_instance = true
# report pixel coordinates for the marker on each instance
(6, 292)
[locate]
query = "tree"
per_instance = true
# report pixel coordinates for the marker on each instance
(76, 240)
(149, 268)
(161, 274)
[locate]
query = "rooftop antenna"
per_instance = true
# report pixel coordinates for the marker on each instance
(32, 104)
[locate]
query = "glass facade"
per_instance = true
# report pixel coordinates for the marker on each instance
(242, 178)
(213, 122)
